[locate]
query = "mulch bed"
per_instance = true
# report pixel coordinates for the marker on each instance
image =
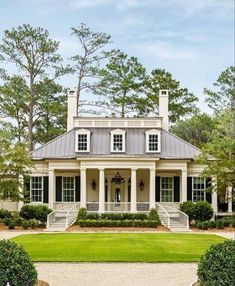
(116, 229)
(226, 229)
(18, 228)
(42, 283)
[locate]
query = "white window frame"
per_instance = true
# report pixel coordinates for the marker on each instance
(198, 189)
(153, 132)
(63, 177)
(172, 199)
(31, 189)
(83, 132)
(123, 134)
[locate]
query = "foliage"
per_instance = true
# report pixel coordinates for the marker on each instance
(181, 101)
(202, 211)
(217, 266)
(220, 224)
(82, 213)
(15, 265)
(153, 215)
(5, 214)
(195, 130)
(117, 223)
(188, 208)
(223, 97)
(38, 212)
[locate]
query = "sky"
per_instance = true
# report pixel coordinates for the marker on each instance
(192, 39)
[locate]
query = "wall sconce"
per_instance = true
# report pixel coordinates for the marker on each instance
(141, 185)
(93, 185)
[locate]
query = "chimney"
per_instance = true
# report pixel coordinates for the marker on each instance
(72, 108)
(163, 108)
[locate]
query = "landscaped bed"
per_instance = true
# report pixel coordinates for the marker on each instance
(117, 247)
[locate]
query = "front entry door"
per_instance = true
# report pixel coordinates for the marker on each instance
(117, 196)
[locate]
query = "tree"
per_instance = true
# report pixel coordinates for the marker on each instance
(181, 101)
(223, 97)
(35, 55)
(86, 64)
(122, 84)
(195, 130)
(15, 162)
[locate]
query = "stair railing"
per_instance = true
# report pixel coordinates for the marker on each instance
(161, 210)
(72, 214)
(183, 217)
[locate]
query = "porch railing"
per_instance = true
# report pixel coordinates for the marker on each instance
(72, 214)
(142, 206)
(51, 217)
(92, 206)
(117, 207)
(164, 215)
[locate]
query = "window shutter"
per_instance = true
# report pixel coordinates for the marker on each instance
(45, 189)
(58, 189)
(157, 189)
(176, 189)
(106, 194)
(27, 190)
(129, 193)
(208, 194)
(189, 188)
(77, 189)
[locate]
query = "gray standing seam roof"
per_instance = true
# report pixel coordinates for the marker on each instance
(63, 146)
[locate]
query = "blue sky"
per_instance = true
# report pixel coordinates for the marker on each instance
(192, 39)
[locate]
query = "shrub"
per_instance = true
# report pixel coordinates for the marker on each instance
(205, 225)
(15, 265)
(117, 223)
(25, 224)
(217, 266)
(212, 224)
(39, 212)
(220, 224)
(153, 215)
(82, 214)
(202, 211)
(33, 223)
(11, 224)
(188, 208)
(199, 224)
(142, 216)
(5, 214)
(7, 221)
(92, 216)
(18, 220)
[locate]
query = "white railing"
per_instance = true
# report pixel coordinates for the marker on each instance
(92, 206)
(142, 206)
(51, 216)
(117, 207)
(177, 215)
(164, 215)
(72, 214)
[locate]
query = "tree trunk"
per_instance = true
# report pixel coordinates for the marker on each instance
(30, 122)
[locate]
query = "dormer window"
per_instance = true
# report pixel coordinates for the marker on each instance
(82, 142)
(153, 141)
(118, 141)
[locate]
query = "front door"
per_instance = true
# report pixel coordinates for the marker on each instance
(117, 195)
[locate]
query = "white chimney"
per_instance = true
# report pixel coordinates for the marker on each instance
(72, 108)
(163, 108)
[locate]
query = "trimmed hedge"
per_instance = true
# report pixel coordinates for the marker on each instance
(117, 223)
(15, 265)
(5, 214)
(188, 208)
(39, 212)
(199, 211)
(217, 266)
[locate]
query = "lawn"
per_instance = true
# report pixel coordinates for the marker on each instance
(117, 247)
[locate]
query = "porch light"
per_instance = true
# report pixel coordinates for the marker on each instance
(93, 185)
(141, 185)
(118, 179)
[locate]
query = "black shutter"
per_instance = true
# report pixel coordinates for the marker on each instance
(176, 189)
(106, 193)
(208, 194)
(58, 189)
(45, 190)
(129, 193)
(27, 190)
(77, 189)
(189, 188)
(157, 189)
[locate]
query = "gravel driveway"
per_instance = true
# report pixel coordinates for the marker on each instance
(118, 274)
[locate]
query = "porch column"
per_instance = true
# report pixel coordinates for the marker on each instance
(109, 194)
(51, 196)
(214, 200)
(83, 188)
(152, 179)
(21, 186)
(133, 190)
(184, 175)
(230, 200)
(101, 190)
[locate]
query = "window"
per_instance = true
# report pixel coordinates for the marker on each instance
(82, 142)
(118, 140)
(198, 189)
(36, 189)
(68, 189)
(153, 141)
(166, 189)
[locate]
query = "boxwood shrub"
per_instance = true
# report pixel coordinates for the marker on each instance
(39, 212)
(117, 223)
(217, 266)
(5, 214)
(188, 208)
(202, 211)
(15, 265)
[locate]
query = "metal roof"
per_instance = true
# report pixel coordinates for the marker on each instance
(63, 146)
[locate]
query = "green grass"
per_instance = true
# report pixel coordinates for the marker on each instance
(117, 247)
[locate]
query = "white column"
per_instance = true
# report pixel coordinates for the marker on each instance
(230, 201)
(109, 194)
(101, 191)
(133, 190)
(214, 202)
(83, 188)
(51, 191)
(21, 192)
(184, 175)
(152, 179)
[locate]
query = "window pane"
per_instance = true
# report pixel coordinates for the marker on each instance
(166, 189)
(117, 142)
(153, 142)
(198, 189)
(36, 189)
(68, 189)
(82, 142)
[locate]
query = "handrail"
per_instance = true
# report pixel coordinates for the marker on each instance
(69, 211)
(52, 213)
(167, 214)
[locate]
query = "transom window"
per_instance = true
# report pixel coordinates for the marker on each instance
(166, 189)
(153, 140)
(118, 140)
(36, 189)
(68, 189)
(198, 189)
(82, 142)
